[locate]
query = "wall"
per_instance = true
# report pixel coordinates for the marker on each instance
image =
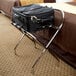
(49, 0)
(64, 0)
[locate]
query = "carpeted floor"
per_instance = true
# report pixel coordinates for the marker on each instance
(21, 65)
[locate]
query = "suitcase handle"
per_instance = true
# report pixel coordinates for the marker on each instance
(37, 20)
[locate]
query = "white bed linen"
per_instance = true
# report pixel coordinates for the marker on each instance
(62, 6)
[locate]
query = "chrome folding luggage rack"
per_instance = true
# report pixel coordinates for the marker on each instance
(33, 38)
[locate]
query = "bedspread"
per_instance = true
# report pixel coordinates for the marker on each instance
(6, 6)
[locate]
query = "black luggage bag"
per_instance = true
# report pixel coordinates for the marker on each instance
(33, 17)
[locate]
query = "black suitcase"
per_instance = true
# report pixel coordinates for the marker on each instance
(33, 17)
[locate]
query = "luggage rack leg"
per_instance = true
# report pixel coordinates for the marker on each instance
(19, 42)
(30, 36)
(48, 44)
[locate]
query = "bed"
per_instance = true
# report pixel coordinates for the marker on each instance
(64, 45)
(6, 6)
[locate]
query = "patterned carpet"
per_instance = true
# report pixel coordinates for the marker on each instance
(21, 65)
